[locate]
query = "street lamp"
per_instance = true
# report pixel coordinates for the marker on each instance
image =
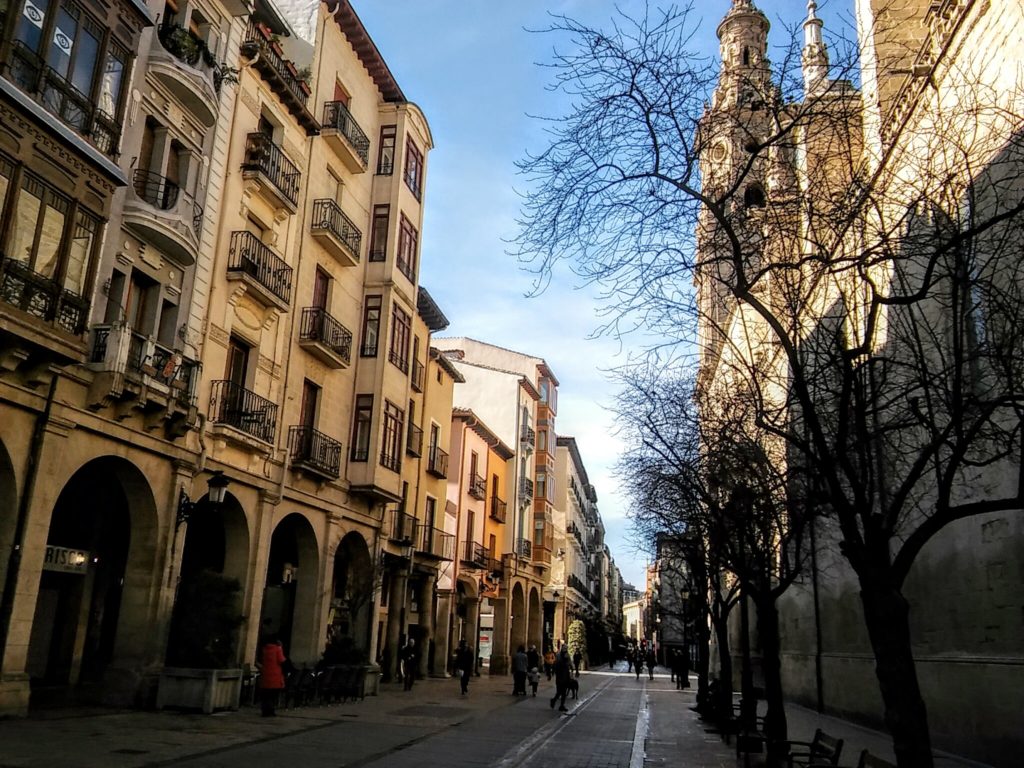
(218, 491)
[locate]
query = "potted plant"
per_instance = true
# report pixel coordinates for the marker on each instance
(201, 670)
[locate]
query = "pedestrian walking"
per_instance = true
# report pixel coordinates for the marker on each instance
(464, 665)
(577, 659)
(681, 668)
(519, 670)
(651, 661)
(533, 668)
(549, 662)
(271, 665)
(638, 662)
(407, 659)
(563, 673)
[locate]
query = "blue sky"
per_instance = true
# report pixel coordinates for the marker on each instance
(472, 66)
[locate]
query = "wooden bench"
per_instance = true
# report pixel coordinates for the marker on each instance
(822, 751)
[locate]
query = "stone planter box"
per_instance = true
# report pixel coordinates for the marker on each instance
(204, 689)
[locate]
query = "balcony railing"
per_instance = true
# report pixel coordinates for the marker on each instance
(414, 441)
(403, 527)
(477, 487)
(337, 116)
(525, 489)
(476, 554)
(164, 194)
(119, 349)
(263, 156)
(236, 406)
(329, 218)
(320, 327)
(251, 257)
(59, 97)
(314, 450)
(524, 548)
(41, 297)
(498, 509)
(495, 566)
(256, 38)
(434, 541)
(418, 375)
(528, 436)
(437, 462)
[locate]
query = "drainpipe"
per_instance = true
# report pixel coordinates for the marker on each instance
(14, 560)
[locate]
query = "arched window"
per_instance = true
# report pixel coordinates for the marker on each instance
(753, 196)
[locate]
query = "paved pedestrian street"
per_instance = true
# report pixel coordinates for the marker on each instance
(618, 721)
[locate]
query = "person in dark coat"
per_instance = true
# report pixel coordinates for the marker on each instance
(563, 674)
(407, 658)
(464, 665)
(519, 670)
(577, 659)
(681, 668)
(271, 665)
(651, 661)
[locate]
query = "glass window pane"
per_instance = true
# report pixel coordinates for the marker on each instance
(25, 217)
(86, 50)
(6, 171)
(110, 88)
(63, 43)
(30, 23)
(81, 249)
(48, 252)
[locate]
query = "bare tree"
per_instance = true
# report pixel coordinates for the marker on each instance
(705, 478)
(872, 291)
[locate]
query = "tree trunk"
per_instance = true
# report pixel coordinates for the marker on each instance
(703, 632)
(775, 726)
(723, 696)
(887, 617)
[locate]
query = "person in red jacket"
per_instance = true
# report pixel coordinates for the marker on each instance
(271, 665)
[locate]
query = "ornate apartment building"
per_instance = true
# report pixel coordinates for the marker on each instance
(209, 288)
(933, 134)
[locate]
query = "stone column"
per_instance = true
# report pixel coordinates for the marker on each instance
(426, 601)
(473, 628)
(442, 634)
(393, 634)
(499, 637)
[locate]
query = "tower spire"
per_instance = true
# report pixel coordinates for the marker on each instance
(815, 54)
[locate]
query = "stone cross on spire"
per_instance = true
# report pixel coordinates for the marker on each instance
(815, 54)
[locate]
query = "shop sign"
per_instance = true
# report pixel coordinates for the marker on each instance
(65, 560)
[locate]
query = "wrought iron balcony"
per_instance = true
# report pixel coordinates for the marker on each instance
(437, 462)
(162, 214)
(495, 566)
(314, 451)
(336, 232)
(437, 543)
(188, 68)
(498, 509)
(252, 259)
(325, 337)
(524, 548)
(403, 527)
(132, 366)
(525, 489)
(528, 436)
(476, 554)
(237, 407)
(58, 96)
(264, 159)
(477, 487)
(41, 297)
(414, 441)
(418, 375)
(345, 136)
(279, 73)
